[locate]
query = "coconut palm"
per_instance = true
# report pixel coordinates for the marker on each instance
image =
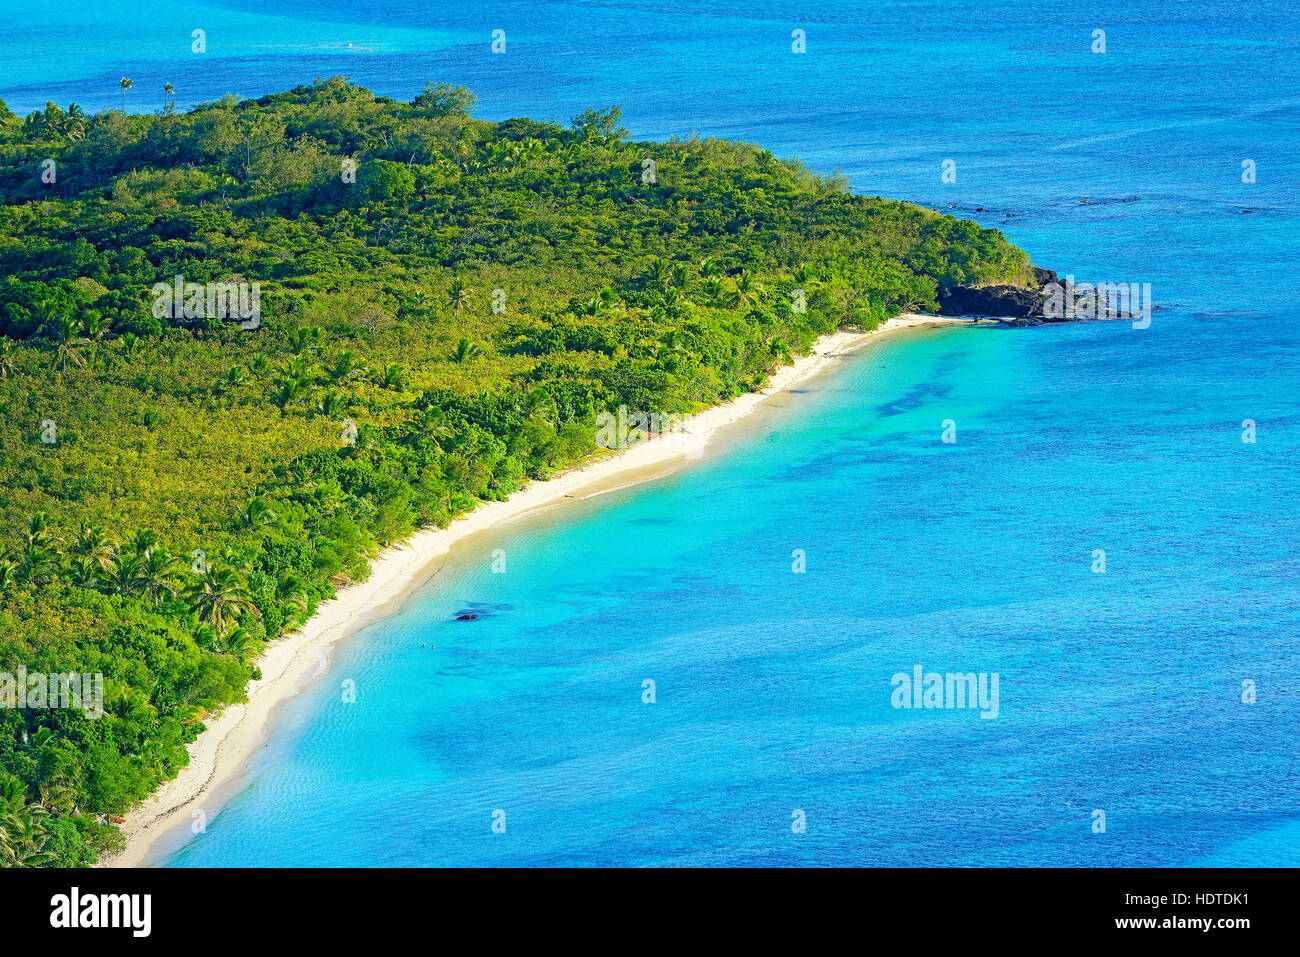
(24, 841)
(303, 338)
(660, 272)
(38, 532)
(168, 90)
(292, 596)
(671, 345)
(126, 85)
(746, 293)
(35, 564)
(330, 404)
(75, 123)
(235, 376)
(289, 388)
(458, 296)
(465, 349)
(672, 304)
(63, 333)
(157, 576)
(257, 513)
(346, 368)
(605, 301)
(710, 268)
(142, 541)
(123, 576)
(220, 596)
(83, 572)
(93, 545)
(393, 376)
(541, 406)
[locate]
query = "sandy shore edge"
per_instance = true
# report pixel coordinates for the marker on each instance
(291, 662)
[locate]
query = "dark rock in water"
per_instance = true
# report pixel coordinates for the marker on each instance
(1024, 305)
(467, 616)
(990, 301)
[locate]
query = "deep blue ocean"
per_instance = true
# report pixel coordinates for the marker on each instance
(1119, 691)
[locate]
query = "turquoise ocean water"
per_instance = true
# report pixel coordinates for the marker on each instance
(1119, 691)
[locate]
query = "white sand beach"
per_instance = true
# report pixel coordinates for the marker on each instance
(289, 664)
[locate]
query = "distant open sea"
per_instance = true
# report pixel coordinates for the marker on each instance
(1119, 692)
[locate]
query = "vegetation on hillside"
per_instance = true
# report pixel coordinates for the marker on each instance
(446, 305)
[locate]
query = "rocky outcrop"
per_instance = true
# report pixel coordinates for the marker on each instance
(1025, 305)
(1002, 302)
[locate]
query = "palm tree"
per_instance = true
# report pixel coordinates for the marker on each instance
(52, 771)
(432, 424)
(671, 345)
(330, 404)
(465, 349)
(219, 596)
(238, 644)
(258, 513)
(605, 301)
(142, 542)
(126, 85)
(124, 573)
(672, 304)
(289, 389)
(541, 406)
(38, 532)
(660, 272)
(94, 546)
(83, 572)
(157, 574)
(235, 377)
(36, 562)
(746, 292)
(347, 367)
(293, 600)
(35, 565)
(393, 377)
(304, 337)
(458, 295)
(23, 838)
(64, 334)
(805, 276)
(75, 123)
(168, 90)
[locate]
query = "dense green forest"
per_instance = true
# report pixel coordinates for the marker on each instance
(446, 305)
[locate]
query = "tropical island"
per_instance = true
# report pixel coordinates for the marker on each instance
(246, 347)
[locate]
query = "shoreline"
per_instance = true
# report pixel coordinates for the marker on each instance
(289, 664)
